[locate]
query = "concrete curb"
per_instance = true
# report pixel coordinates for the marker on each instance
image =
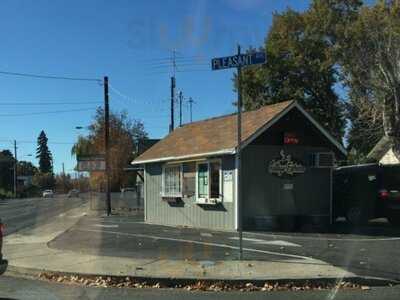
(360, 280)
(33, 270)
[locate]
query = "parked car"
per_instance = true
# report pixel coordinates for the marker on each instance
(3, 262)
(368, 191)
(48, 194)
(73, 193)
(126, 191)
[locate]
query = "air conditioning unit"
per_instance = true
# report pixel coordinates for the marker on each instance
(322, 160)
(206, 201)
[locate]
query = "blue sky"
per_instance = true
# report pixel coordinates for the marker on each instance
(130, 41)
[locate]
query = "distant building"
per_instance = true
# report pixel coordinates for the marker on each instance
(140, 147)
(143, 145)
(190, 176)
(383, 152)
(24, 180)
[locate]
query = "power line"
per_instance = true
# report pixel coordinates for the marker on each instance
(177, 57)
(122, 95)
(178, 71)
(47, 103)
(35, 142)
(49, 76)
(46, 112)
(179, 65)
(151, 103)
(193, 70)
(168, 62)
(28, 141)
(49, 142)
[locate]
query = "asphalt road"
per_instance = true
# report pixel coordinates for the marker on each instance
(373, 250)
(27, 289)
(17, 214)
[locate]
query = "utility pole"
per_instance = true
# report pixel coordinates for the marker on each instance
(63, 177)
(173, 85)
(106, 145)
(190, 107)
(180, 108)
(15, 168)
(238, 158)
(171, 125)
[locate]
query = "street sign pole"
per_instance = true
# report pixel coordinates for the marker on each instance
(15, 170)
(238, 158)
(238, 61)
(106, 145)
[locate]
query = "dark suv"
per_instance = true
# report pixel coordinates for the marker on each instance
(3, 263)
(368, 191)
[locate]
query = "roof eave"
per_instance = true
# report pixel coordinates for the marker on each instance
(323, 130)
(229, 151)
(278, 116)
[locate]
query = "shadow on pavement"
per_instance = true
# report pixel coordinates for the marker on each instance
(374, 228)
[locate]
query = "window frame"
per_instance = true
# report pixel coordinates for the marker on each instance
(316, 159)
(208, 162)
(169, 195)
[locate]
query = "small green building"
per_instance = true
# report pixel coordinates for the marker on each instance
(287, 159)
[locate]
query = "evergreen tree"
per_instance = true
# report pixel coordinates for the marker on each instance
(43, 154)
(6, 170)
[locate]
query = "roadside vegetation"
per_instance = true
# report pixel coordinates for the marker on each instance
(335, 46)
(125, 134)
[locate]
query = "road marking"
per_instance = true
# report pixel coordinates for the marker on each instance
(115, 221)
(76, 216)
(264, 242)
(105, 226)
(138, 235)
(281, 236)
(327, 238)
(206, 234)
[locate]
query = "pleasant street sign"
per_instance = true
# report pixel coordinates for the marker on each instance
(239, 60)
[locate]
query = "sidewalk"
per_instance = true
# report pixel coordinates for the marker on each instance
(28, 250)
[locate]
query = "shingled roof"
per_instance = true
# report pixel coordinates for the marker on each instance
(381, 148)
(215, 136)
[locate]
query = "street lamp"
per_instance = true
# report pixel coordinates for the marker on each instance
(82, 127)
(106, 148)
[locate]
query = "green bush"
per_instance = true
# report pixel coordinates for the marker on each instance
(29, 192)
(6, 194)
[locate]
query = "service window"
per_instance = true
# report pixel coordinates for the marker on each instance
(189, 179)
(209, 180)
(202, 180)
(215, 188)
(172, 183)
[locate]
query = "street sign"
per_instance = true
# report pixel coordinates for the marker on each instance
(239, 60)
(91, 163)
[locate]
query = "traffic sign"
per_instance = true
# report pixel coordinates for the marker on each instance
(91, 163)
(239, 60)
